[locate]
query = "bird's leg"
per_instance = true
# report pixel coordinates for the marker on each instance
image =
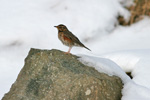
(69, 50)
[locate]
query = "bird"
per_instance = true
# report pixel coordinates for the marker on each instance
(68, 38)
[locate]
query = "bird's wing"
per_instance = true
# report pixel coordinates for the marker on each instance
(71, 36)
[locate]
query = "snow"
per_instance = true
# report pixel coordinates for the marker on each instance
(132, 91)
(106, 66)
(131, 37)
(134, 61)
(115, 49)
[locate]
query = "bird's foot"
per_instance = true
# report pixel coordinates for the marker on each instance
(68, 53)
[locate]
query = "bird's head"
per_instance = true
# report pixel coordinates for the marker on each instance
(61, 28)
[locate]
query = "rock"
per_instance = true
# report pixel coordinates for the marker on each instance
(53, 75)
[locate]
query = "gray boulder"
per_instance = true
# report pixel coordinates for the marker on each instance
(53, 75)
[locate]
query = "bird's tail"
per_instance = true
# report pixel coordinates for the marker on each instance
(86, 48)
(82, 45)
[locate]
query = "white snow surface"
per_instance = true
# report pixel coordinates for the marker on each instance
(26, 24)
(135, 61)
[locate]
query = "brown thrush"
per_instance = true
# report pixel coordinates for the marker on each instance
(67, 38)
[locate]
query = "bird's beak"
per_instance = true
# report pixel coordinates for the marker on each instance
(55, 26)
